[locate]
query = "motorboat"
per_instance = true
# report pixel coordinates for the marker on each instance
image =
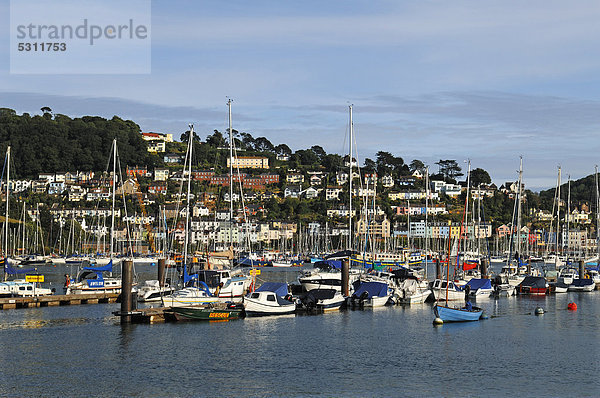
(479, 287)
(92, 280)
(189, 296)
(152, 291)
(325, 275)
(504, 290)
(443, 289)
(558, 287)
(226, 284)
(411, 291)
(582, 285)
(370, 294)
(320, 300)
(458, 314)
(533, 285)
(271, 298)
(23, 288)
(208, 313)
(568, 275)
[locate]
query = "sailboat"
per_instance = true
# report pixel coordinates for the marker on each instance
(193, 292)
(92, 279)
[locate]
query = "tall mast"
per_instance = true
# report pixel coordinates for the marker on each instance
(597, 215)
(187, 199)
(568, 213)
(519, 193)
(557, 217)
(350, 186)
(230, 177)
(426, 211)
(114, 186)
(466, 215)
(7, 203)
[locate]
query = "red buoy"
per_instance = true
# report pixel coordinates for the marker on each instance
(572, 306)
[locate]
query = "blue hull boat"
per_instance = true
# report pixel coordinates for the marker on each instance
(448, 314)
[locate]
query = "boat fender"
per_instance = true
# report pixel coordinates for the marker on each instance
(572, 307)
(289, 297)
(438, 321)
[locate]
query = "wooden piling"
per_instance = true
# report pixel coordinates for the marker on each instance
(126, 283)
(438, 268)
(346, 277)
(161, 271)
(581, 269)
(484, 268)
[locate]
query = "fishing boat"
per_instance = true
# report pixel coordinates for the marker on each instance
(457, 314)
(370, 294)
(444, 290)
(272, 298)
(320, 300)
(208, 313)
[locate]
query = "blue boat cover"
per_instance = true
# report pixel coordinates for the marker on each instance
(582, 282)
(15, 271)
(476, 283)
(107, 268)
(328, 264)
(279, 288)
(373, 289)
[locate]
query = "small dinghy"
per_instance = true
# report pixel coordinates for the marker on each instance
(455, 314)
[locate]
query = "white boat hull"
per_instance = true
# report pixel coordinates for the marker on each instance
(256, 307)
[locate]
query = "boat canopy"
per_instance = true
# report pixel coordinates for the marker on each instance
(16, 271)
(582, 282)
(279, 288)
(534, 281)
(373, 289)
(318, 294)
(328, 264)
(403, 273)
(477, 283)
(107, 268)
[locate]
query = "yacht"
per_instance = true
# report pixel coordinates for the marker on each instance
(442, 289)
(92, 280)
(272, 298)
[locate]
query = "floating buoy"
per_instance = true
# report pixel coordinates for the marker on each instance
(484, 316)
(438, 321)
(539, 311)
(572, 306)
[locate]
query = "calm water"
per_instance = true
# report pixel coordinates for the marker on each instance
(392, 351)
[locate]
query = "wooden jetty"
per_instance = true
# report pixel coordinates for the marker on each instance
(148, 315)
(56, 300)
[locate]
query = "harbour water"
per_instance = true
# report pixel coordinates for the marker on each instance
(82, 350)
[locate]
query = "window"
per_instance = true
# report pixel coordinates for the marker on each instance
(254, 295)
(271, 297)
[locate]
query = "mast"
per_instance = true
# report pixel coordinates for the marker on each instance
(7, 203)
(519, 193)
(112, 212)
(466, 216)
(568, 213)
(597, 215)
(187, 200)
(556, 260)
(426, 211)
(350, 186)
(230, 177)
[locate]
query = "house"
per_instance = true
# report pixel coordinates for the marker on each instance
(310, 193)
(294, 178)
(97, 194)
(452, 190)
(387, 181)
(341, 211)
(249, 162)
(20, 185)
(370, 178)
(315, 180)
(161, 174)
(56, 188)
(283, 157)
(76, 193)
(418, 174)
(333, 192)
(406, 181)
(503, 231)
(158, 188)
(156, 141)
(156, 146)
(172, 158)
(39, 186)
(292, 191)
(46, 176)
(137, 171)
(380, 226)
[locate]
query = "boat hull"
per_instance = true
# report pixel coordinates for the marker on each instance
(448, 314)
(257, 308)
(206, 314)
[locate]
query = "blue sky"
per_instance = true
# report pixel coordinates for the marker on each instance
(429, 80)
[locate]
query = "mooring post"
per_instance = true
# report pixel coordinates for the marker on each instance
(346, 277)
(529, 266)
(484, 268)
(581, 269)
(126, 283)
(438, 268)
(161, 271)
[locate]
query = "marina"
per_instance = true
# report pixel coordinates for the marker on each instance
(350, 343)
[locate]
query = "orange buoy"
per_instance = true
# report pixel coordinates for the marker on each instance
(572, 306)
